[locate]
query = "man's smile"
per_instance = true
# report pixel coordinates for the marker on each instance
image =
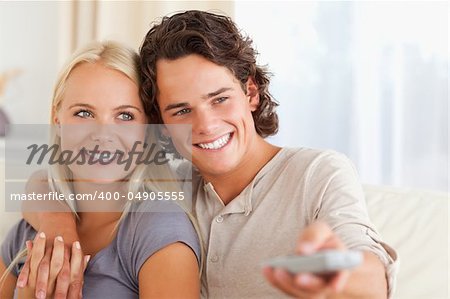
(217, 143)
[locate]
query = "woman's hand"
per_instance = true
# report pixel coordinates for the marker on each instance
(50, 272)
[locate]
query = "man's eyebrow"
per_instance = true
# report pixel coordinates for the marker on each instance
(174, 106)
(217, 92)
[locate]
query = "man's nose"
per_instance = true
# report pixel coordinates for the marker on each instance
(204, 123)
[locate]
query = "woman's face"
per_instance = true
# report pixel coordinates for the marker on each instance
(100, 116)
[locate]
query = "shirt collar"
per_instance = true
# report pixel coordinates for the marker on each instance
(243, 203)
(240, 204)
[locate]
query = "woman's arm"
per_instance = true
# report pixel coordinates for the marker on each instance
(171, 272)
(52, 223)
(7, 285)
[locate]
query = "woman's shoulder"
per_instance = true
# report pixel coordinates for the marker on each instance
(146, 230)
(18, 232)
(155, 218)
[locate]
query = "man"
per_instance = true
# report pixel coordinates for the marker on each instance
(253, 200)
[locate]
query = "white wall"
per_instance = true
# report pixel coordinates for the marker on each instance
(28, 40)
(38, 37)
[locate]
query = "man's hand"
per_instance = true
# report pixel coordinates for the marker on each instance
(52, 272)
(317, 236)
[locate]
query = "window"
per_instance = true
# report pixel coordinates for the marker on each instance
(368, 79)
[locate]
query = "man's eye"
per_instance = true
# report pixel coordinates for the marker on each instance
(83, 114)
(182, 111)
(220, 100)
(126, 116)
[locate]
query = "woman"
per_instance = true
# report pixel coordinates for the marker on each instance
(97, 113)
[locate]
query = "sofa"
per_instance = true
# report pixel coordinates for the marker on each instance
(413, 222)
(416, 224)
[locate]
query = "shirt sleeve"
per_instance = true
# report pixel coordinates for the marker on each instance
(148, 232)
(14, 243)
(339, 201)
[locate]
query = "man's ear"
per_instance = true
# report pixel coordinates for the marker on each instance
(252, 93)
(164, 133)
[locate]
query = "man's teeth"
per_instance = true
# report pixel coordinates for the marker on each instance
(219, 143)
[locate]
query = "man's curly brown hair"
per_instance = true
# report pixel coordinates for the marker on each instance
(216, 38)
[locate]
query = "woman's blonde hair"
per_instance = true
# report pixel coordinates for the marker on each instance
(144, 178)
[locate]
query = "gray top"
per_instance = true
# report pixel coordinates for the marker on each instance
(113, 271)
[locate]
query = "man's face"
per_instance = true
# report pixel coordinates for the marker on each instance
(193, 90)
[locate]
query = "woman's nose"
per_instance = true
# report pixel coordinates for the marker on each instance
(102, 133)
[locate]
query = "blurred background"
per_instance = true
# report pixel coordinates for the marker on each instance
(369, 79)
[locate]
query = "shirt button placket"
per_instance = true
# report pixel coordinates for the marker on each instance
(214, 259)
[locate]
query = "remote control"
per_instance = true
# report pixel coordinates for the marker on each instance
(323, 262)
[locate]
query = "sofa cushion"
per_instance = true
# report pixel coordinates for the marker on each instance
(415, 223)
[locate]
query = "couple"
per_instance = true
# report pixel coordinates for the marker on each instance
(251, 200)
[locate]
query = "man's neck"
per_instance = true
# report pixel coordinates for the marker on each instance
(228, 186)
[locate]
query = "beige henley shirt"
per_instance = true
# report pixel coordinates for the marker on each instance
(295, 188)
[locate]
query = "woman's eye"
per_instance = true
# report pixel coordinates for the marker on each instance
(126, 116)
(182, 111)
(83, 114)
